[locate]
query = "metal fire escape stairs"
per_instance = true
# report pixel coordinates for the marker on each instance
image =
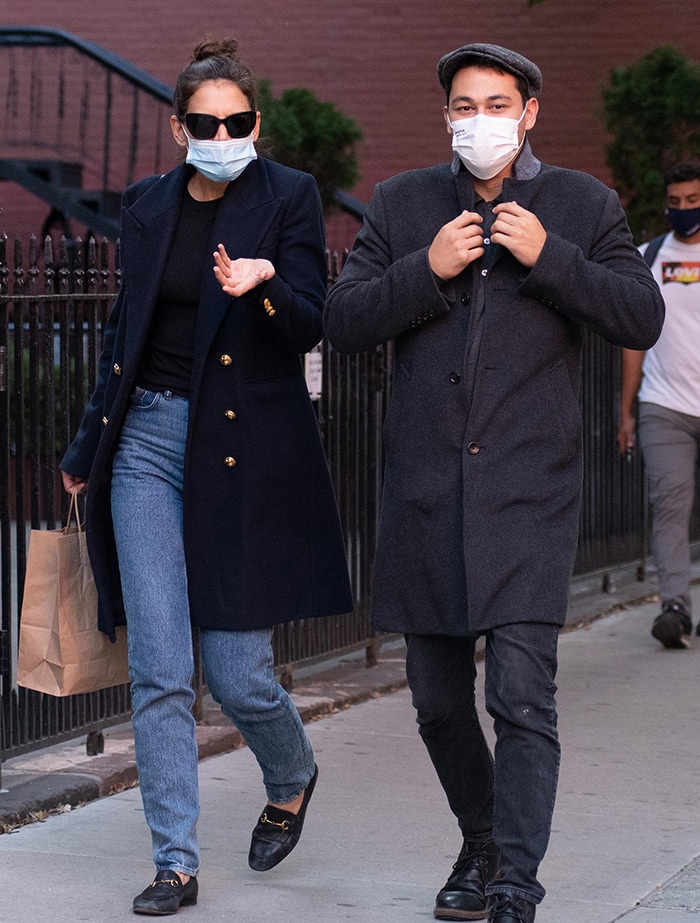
(79, 124)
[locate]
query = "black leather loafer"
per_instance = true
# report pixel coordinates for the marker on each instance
(277, 832)
(503, 908)
(166, 894)
(464, 894)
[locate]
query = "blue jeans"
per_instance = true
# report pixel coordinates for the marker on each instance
(147, 502)
(511, 798)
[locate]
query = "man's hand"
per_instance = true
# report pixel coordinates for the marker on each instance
(626, 434)
(632, 364)
(519, 231)
(457, 244)
(236, 277)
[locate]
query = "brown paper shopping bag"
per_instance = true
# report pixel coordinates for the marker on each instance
(61, 650)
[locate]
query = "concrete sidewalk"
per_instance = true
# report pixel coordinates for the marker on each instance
(379, 840)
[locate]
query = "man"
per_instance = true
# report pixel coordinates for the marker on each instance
(484, 274)
(669, 403)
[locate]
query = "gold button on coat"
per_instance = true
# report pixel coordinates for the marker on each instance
(229, 461)
(225, 360)
(230, 414)
(117, 369)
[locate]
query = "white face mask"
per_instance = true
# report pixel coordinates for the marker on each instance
(221, 161)
(486, 143)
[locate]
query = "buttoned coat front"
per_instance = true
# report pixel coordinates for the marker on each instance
(263, 543)
(483, 437)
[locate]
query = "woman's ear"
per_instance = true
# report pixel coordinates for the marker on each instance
(178, 131)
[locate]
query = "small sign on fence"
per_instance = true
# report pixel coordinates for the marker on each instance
(313, 369)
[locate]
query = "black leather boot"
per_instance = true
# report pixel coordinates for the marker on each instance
(505, 908)
(464, 897)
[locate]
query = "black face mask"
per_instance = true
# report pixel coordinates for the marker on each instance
(684, 221)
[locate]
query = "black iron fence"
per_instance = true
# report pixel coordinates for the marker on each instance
(614, 521)
(54, 300)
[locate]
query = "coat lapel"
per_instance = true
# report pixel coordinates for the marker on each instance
(516, 188)
(247, 212)
(148, 228)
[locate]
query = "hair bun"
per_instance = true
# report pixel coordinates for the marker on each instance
(212, 48)
(214, 59)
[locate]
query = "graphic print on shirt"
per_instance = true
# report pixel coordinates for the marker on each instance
(685, 272)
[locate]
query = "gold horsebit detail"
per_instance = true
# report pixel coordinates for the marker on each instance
(284, 824)
(168, 881)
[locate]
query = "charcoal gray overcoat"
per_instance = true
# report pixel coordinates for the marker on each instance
(482, 483)
(263, 542)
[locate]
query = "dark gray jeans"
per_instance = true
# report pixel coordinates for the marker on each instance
(510, 798)
(669, 442)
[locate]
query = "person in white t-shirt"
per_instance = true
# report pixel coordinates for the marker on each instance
(666, 382)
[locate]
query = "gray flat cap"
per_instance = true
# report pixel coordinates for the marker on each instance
(502, 58)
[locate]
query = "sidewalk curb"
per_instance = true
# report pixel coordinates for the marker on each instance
(61, 777)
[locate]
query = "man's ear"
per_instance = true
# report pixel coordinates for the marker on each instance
(446, 115)
(532, 107)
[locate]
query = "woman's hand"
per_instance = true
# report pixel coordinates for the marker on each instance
(73, 484)
(236, 277)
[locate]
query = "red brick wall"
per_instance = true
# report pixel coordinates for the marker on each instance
(376, 60)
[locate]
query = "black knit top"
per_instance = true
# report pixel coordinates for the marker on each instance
(166, 364)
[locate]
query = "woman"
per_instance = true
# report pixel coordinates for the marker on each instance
(209, 498)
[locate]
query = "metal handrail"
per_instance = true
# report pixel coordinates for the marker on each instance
(14, 36)
(33, 35)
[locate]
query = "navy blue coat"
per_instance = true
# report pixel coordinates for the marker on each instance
(263, 543)
(484, 452)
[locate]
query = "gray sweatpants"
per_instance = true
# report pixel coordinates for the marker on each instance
(669, 441)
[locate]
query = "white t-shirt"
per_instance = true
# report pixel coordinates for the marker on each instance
(672, 366)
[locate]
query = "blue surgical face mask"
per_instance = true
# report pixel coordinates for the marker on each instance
(221, 161)
(684, 221)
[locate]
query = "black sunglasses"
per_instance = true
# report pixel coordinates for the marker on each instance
(204, 127)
